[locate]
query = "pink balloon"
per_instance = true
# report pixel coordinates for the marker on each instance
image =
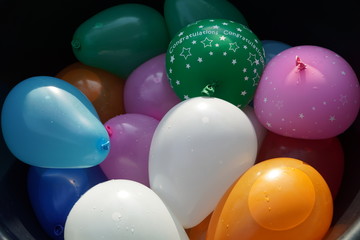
(148, 91)
(130, 138)
(307, 92)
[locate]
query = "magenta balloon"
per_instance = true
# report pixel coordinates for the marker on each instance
(130, 138)
(148, 91)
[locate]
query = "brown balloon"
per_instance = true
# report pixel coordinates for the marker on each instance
(325, 155)
(103, 89)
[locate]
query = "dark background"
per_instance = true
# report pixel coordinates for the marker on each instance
(35, 40)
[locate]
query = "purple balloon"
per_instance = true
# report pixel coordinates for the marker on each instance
(147, 90)
(130, 139)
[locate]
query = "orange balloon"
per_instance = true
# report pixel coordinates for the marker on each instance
(102, 88)
(199, 231)
(280, 198)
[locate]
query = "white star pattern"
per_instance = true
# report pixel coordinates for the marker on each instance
(279, 104)
(255, 79)
(301, 115)
(233, 46)
(265, 100)
(172, 59)
(252, 59)
(207, 42)
(343, 99)
(268, 124)
(185, 53)
(332, 118)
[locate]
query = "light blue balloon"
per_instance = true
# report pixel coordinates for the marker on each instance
(47, 122)
(273, 48)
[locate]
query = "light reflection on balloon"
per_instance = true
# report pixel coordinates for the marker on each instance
(280, 198)
(121, 209)
(200, 147)
(147, 89)
(47, 122)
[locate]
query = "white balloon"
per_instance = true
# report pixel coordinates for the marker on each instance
(121, 209)
(200, 147)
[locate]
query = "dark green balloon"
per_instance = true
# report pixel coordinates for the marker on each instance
(121, 38)
(180, 13)
(216, 58)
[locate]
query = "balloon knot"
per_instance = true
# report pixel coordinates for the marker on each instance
(301, 66)
(209, 90)
(75, 43)
(105, 146)
(109, 131)
(58, 230)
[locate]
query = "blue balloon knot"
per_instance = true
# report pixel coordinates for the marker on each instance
(105, 146)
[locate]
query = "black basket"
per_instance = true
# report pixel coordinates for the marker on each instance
(36, 38)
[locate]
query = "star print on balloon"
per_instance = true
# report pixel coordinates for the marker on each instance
(307, 92)
(218, 58)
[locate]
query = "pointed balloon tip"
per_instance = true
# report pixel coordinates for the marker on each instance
(209, 90)
(105, 146)
(108, 129)
(301, 65)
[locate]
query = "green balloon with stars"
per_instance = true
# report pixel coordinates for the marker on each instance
(217, 58)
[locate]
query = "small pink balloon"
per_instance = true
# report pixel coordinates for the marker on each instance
(307, 92)
(130, 139)
(148, 91)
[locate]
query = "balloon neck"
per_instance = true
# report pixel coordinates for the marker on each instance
(75, 43)
(209, 90)
(300, 65)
